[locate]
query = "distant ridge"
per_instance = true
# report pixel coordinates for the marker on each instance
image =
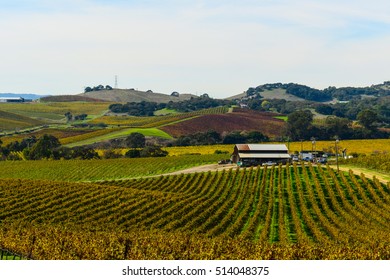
(23, 95)
(298, 92)
(131, 95)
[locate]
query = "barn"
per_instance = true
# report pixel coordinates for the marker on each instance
(257, 154)
(12, 99)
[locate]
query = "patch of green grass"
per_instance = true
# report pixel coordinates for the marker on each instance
(164, 112)
(284, 118)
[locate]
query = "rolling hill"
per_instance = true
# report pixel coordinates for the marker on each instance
(238, 120)
(131, 95)
(298, 92)
(10, 121)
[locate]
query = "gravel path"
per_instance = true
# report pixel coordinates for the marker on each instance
(218, 167)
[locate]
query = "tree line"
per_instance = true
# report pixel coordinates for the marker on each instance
(146, 108)
(212, 137)
(49, 147)
(300, 126)
(97, 88)
(327, 94)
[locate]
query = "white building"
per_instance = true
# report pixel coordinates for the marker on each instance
(256, 154)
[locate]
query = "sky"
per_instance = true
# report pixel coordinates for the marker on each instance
(217, 47)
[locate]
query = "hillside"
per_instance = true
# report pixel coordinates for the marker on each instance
(131, 95)
(297, 92)
(239, 120)
(10, 121)
(277, 93)
(70, 98)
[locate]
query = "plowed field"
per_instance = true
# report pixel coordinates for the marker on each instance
(236, 121)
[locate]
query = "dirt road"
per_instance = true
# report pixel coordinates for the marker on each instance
(204, 168)
(217, 167)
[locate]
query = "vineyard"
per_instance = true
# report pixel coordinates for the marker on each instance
(156, 121)
(279, 212)
(377, 162)
(94, 170)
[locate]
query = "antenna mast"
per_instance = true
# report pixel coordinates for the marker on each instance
(116, 81)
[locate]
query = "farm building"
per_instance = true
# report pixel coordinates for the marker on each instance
(12, 99)
(255, 154)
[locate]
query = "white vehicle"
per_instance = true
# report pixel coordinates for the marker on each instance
(268, 163)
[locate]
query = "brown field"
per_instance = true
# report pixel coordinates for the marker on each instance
(70, 98)
(236, 121)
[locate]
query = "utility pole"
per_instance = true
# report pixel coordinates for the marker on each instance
(116, 81)
(301, 148)
(313, 147)
(337, 153)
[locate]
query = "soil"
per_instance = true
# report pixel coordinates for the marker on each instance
(247, 120)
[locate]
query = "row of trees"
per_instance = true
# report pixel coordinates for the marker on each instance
(212, 137)
(49, 147)
(145, 108)
(69, 117)
(45, 147)
(97, 88)
(352, 109)
(353, 101)
(300, 126)
(197, 103)
(308, 93)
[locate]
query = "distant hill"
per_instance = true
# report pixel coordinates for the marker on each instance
(131, 95)
(23, 95)
(297, 92)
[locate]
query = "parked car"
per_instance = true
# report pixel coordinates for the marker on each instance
(224, 161)
(268, 163)
(295, 158)
(322, 160)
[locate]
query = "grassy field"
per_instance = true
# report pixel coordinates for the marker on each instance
(165, 111)
(368, 147)
(55, 111)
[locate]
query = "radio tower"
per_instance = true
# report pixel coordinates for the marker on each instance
(116, 81)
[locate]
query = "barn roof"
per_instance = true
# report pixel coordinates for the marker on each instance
(263, 155)
(11, 98)
(261, 147)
